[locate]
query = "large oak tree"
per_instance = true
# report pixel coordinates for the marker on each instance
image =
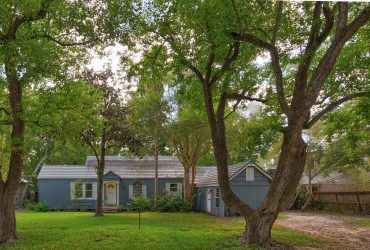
(284, 55)
(38, 40)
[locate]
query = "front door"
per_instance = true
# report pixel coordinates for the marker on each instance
(209, 200)
(111, 193)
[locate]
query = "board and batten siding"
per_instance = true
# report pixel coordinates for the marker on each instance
(125, 184)
(57, 194)
(250, 189)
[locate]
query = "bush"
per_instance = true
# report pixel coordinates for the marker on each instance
(168, 203)
(38, 207)
(121, 208)
(141, 203)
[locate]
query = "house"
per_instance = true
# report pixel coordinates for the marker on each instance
(75, 187)
(248, 181)
(336, 182)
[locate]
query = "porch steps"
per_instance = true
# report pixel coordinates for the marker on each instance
(110, 209)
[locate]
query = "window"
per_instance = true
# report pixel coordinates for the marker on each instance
(249, 173)
(217, 198)
(173, 187)
(88, 190)
(79, 191)
(137, 189)
(82, 190)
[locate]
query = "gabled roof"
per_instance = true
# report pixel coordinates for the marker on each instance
(321, 178)
(124, 167)
(210, 177)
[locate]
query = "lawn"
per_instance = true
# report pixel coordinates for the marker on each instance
(78, 230)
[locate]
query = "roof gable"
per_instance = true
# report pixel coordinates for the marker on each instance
(210, 178)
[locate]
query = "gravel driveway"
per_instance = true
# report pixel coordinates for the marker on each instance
(336, 228)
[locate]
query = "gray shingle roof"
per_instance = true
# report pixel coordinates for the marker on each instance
(124, 167)
(210, 177)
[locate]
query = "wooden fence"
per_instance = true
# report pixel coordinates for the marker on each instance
(342, 202)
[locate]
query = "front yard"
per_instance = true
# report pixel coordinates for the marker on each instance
(78, 230)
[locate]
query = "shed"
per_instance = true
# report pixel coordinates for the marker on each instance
(248, 181)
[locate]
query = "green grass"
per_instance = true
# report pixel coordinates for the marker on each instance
(73, 230)
(361, 223)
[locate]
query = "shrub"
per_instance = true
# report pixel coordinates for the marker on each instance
(121, 208)
(168, 203)
(38, 207)
(141, 203)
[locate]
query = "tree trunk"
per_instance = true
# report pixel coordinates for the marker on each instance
(8, 232)
(100, 174)
(9, 187)
(25, 188)
(258, 229)
(99, 198)
(155, 174)
(281, 193)
(188, 191)
(309, 194)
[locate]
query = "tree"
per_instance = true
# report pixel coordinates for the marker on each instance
(109, 129)
(36, 43)
(315, 151)
(218, 42)
(190, 137)
(150, 108)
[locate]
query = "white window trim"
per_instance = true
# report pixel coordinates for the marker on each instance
(84, 191)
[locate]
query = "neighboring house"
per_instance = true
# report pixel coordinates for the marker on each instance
(74, 187)
(248, 181)
(334, 182)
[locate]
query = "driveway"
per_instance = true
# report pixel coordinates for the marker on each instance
(343, 229)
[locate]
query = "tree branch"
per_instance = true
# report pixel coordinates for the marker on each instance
(13, 28)
(69, 44)
(231, 56)
(332, 106)
(343, 34)
(249, 38)
(237, 96)
(277, 22)
(5, 110)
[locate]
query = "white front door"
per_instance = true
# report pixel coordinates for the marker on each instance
(111, 193)
(209, 200)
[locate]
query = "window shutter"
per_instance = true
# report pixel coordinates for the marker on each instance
(249, 173)
(95, 190)
(179, 189)
(72, 190)
(130, 191)
(167, 187)
(144, 190)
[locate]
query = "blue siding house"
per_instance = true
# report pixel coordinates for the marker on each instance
(75, 187)
(248, 181)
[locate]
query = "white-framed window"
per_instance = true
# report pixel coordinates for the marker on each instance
(217, 197)
(249, 173)
(137, 189)
(79, 194)
(174, 189)
(88, 190)
(81, 190)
